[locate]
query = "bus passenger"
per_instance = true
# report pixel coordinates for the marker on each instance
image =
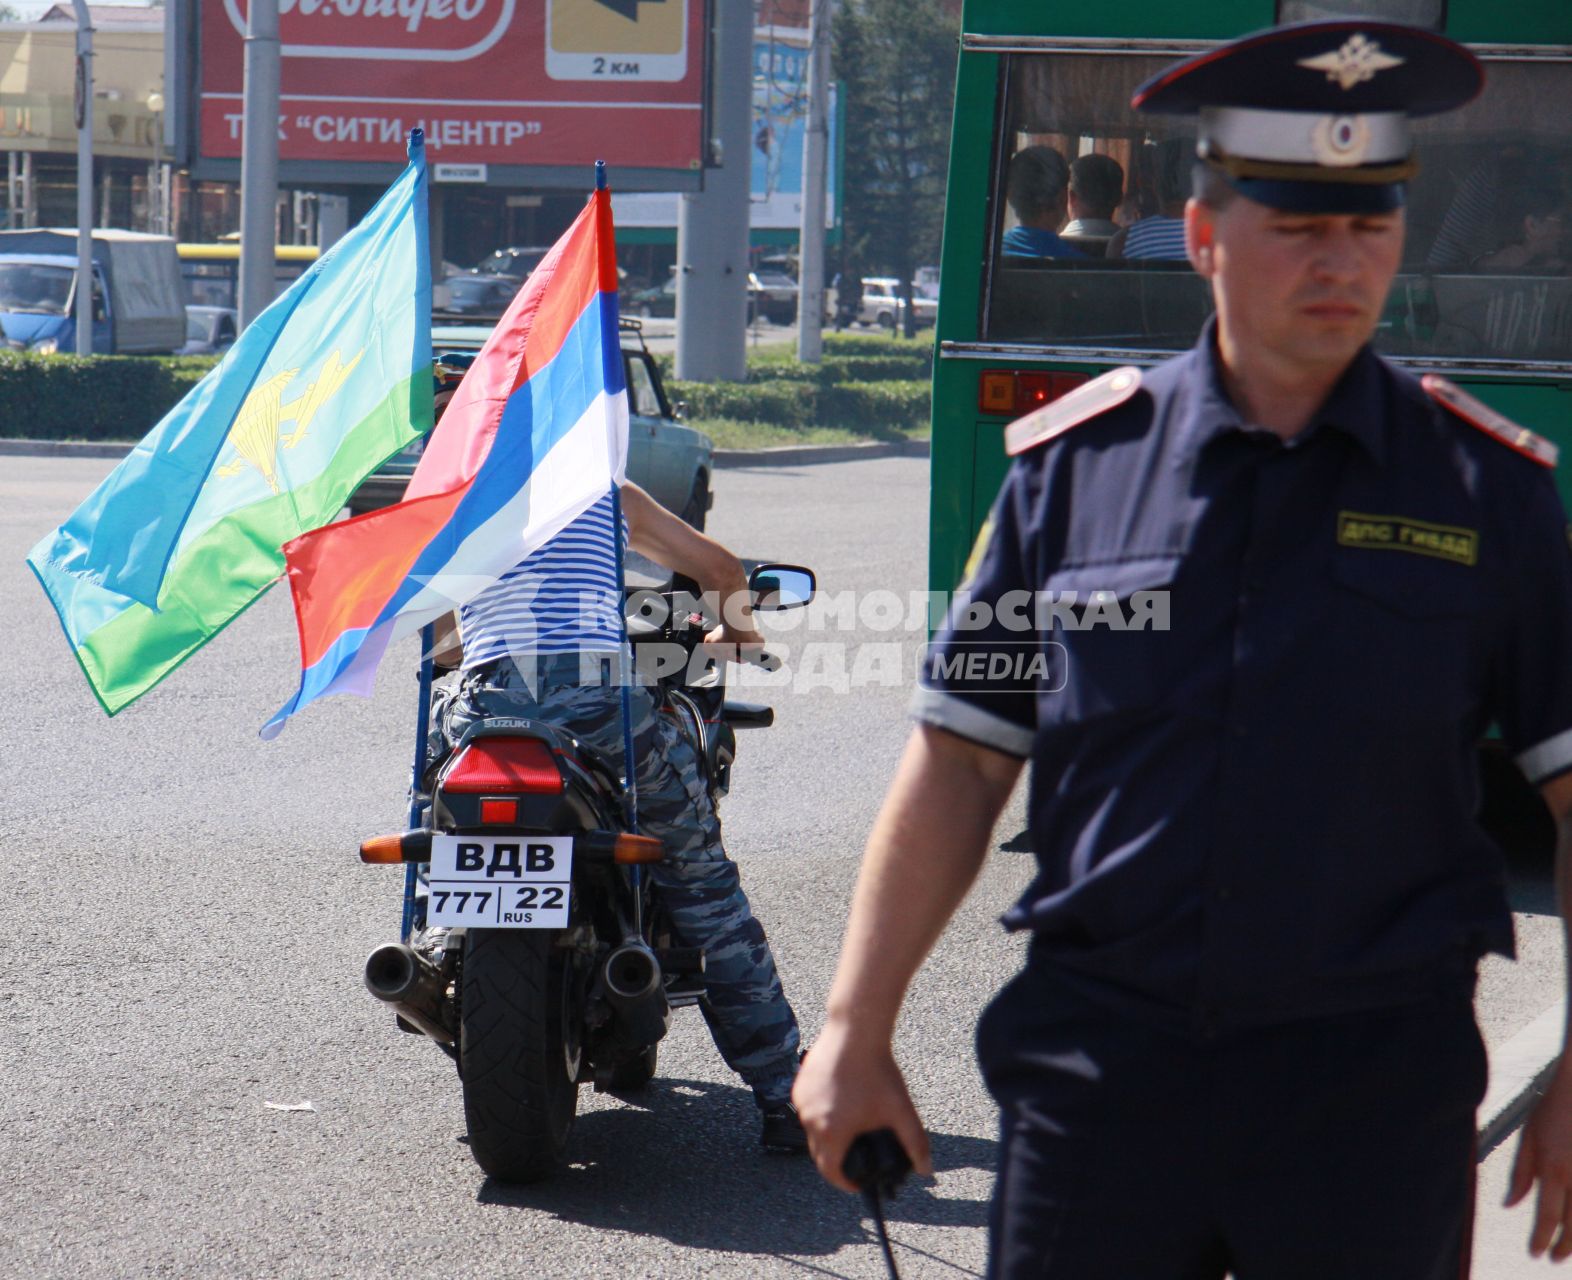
(1159, 235)
(1096, 190)
(1530, 230)
(1038, 191)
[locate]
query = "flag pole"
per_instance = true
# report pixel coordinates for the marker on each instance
(416, 149)
(428, 640)
(625, 654)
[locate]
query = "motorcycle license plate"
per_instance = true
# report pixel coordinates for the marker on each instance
(500, 882)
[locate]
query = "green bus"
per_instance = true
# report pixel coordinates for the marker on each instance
(1014, 331)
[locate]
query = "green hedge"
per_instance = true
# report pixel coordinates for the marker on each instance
(858, 357)
(865, 380)
(833, 370)
(91, 397)
(878, 344)
(783, 403)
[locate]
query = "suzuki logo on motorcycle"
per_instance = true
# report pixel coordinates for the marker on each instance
(386, 30)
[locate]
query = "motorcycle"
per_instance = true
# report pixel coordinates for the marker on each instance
(535, 951)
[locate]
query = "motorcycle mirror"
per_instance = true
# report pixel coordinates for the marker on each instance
(781, 586)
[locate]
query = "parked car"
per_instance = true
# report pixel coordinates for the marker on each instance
(472, 294)
(668, 460)
(657, 300)
(209, 330)
(882, 304)
(488, 286)
(773, 295)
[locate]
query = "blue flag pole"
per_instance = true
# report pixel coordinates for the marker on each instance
(625, 652)
(428, 639)
(428, 634)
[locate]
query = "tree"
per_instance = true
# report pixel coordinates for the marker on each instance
(8, 14)
(895, 60)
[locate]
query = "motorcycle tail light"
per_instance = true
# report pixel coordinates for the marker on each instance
(636, 849)
(501, 813)
(492, 765)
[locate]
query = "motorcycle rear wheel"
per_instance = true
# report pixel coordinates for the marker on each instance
(519, 1051)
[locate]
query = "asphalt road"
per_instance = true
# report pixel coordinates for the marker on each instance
(188, 923)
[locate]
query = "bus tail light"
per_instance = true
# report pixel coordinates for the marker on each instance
(1008, 393)
(996, 391)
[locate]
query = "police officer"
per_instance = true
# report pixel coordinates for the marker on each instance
(1304, 584)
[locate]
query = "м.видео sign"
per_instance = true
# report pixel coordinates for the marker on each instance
(536, 83)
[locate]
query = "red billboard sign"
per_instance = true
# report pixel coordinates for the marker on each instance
(531, 83)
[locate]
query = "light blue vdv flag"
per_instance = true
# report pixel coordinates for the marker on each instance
(326, 384)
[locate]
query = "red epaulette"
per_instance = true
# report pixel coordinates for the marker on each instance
(1070, 410)
(1480, 415)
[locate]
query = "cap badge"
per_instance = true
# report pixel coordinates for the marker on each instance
(1340, 141)
(1358, 60)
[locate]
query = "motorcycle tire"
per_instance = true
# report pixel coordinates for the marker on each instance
(519, 1051)
(630, 1076)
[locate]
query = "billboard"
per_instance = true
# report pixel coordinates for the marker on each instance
(780, 120)
(528, 88)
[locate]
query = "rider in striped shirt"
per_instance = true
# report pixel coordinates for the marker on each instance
(522, 642)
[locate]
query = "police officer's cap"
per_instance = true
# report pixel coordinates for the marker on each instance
(1313, 117)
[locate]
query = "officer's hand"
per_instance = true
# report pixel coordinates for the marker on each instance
(847, 1088)
(1544, 1155)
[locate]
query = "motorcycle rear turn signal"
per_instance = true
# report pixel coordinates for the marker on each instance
(406, 846)
(635, 849)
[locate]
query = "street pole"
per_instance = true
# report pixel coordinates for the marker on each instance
(259, 161)
(84, 179)
(157, 219)
(712, 225)
(29, 192)
(815, 158)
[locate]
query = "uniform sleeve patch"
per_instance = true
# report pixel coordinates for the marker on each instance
(1482, 417)
(1070, 410)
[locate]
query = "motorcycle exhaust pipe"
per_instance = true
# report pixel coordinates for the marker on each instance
(405, 979)
(633, 988)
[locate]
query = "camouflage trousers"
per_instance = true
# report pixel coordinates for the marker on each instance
(698, 885)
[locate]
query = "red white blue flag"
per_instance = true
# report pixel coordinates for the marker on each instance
(534, 435)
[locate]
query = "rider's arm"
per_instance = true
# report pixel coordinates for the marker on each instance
(447, 645)
(666, 539)
(926, 848)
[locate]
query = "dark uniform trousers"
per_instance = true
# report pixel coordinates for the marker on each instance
(1136, 1151)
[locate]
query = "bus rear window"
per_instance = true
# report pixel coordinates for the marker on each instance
(1087, 251)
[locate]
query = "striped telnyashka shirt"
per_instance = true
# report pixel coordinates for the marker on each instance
(561, 598)
(1156, 238)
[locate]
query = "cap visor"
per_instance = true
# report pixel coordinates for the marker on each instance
(1323, 197)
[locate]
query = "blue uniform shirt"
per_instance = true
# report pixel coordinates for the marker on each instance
(1253, 783)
